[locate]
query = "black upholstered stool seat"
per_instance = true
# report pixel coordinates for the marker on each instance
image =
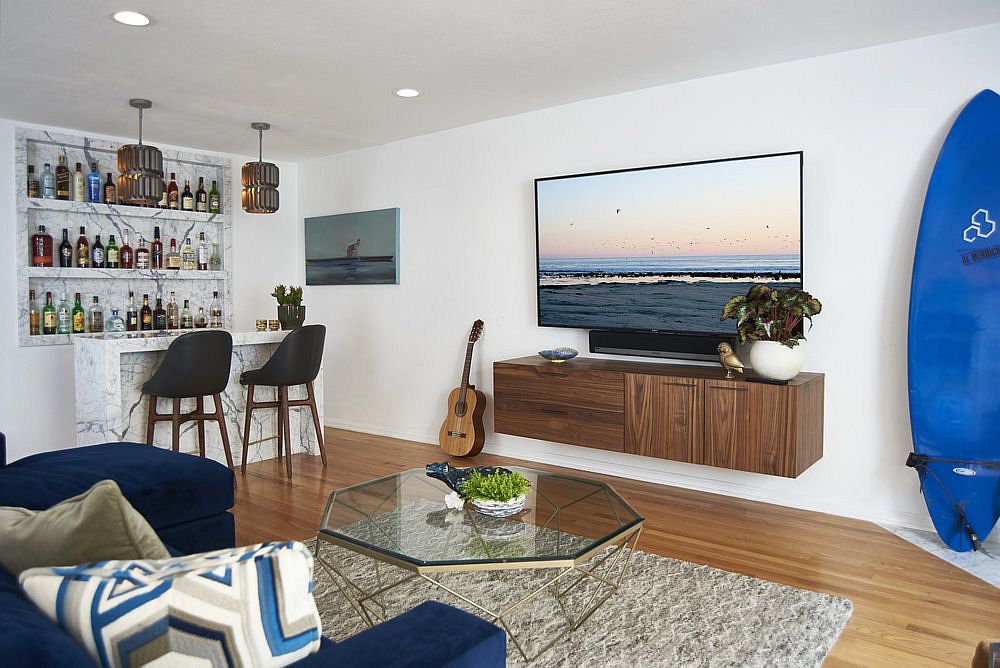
(296, 362)
(195, 366)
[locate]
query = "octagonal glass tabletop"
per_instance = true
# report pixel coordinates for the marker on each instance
(403, 516)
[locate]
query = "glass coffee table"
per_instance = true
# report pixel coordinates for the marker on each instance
(579, 533)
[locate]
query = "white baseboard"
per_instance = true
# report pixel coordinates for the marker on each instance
(634, 467)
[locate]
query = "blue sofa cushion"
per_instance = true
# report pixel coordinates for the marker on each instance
(432, 635)
(166, 487)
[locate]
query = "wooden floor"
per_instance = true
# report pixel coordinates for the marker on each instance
(910, 608)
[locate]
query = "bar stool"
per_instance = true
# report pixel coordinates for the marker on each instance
(196, 365)
(295, 362)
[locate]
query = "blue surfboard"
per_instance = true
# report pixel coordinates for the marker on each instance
(954, 331)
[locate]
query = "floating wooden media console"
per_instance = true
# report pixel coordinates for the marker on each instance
(679, 412)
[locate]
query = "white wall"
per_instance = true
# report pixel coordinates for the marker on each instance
(870, 123)
(36, 384)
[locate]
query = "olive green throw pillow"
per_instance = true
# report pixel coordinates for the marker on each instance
(98, 525)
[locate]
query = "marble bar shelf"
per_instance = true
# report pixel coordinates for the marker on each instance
(100, 208)
(110, 370)
(104, 274)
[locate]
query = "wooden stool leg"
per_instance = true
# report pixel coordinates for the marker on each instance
(283, 408)
(199, 407)
(246, 429)
(150, 418)
(279, 422)
(220, 418)
(316, 422)
(175, 436)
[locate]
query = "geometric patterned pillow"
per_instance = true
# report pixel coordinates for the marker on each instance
(247, 606)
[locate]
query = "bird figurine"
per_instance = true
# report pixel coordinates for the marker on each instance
(730, 362)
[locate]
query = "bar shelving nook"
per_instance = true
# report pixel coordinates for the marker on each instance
(36, 147)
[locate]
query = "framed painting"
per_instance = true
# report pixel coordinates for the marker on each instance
(353, 248)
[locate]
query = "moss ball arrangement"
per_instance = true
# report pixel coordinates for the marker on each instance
(498, 486)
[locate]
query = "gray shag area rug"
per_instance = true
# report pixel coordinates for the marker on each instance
(667, 613)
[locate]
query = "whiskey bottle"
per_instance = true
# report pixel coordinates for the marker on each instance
(165, 198)
(215, 311)
(188, 258)
(79, 186)
(201, 197)
(156, 255)
(97, 257)
(142, 255)
(96, 317)
(131, 314)
(145, 315)
(204, 252)
(78, 316)
(63, 184)
(110, 191)
(41, 248)
(200, 321)
(115, 322)
(173, 313)
(214, 261)
(173, 257)
(48, 183)
(33, 186)
(34, 317)
(187, 322)
(64, 322)
(49, 320)
(214, 202)
(159, 315)
(187, 199)
(126, 256)
(65, 250)
(111, 253)
(82, 250)
(93, 185)
(172, 196)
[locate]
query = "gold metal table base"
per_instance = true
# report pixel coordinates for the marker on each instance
(601, 571)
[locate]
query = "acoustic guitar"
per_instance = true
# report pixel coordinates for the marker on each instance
(462, 432)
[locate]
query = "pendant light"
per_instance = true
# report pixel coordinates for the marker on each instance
(260, 179)
(140, 168)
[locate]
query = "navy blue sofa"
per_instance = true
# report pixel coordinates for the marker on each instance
(187, 500)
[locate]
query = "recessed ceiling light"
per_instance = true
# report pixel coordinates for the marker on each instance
(406, 92)
(131, 18)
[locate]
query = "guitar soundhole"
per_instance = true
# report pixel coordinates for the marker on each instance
(460, 408)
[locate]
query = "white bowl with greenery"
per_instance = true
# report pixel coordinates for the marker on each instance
(499, 494)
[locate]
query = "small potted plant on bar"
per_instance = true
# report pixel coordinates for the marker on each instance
(291, 312)
(772, 320)
(499, 494)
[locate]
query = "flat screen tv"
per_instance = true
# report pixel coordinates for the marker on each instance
(661, 249)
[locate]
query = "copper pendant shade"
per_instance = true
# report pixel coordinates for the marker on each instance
(140, 168)
(260, 179)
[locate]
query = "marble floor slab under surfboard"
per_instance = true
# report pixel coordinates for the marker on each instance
(984, 564)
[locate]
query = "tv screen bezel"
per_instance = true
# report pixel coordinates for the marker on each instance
(538, 286)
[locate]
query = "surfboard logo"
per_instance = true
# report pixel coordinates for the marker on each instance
(980, 227)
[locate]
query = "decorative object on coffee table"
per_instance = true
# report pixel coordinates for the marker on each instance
(497, 494)
(729, 361)
(772, 320)
(454, 477)
(560, 354)
(291, 312)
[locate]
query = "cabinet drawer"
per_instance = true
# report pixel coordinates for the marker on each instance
(560, 422)
(562, 386)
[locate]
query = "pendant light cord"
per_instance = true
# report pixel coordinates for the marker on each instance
(260, 146)
(140, 126)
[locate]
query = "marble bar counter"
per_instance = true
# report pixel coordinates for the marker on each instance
(112, 367)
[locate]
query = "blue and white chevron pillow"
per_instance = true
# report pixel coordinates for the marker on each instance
(248, 606)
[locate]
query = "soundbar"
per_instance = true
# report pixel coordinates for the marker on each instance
(657, 344)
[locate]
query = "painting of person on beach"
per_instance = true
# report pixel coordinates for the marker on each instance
(664, 248)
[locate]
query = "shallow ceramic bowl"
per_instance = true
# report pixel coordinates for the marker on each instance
(499, 508)
(560, 354)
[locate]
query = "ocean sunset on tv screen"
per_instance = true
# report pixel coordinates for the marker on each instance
(664, 248)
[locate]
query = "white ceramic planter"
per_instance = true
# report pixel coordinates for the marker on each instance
(775, 360)
(499, 508)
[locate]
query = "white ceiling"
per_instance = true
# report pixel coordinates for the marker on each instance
(322, 72)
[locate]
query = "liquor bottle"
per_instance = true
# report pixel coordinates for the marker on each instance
(204, 252)
(172, 196)
(200, 321)
(189, 259)
(173, 257)
(96, 317)
(33, 186)
(142, 255)
(214, 261)
(41, 248)
(173, 313)
(115, 322)
(110, 191)
(159, 315)
(201, 197)
(93, 185)
(156, 256)
(215, 311)
(214, 202)
(64, 322)
(78, 317)
(82, 250)
(65, 250)
(145, 315)
(131, 314)
(49, 319)
(111, 253)
(187, 199)
(48, 182)
(126, 256)
(62, 179)
(97, 257)
(34, 317)
(165, 197)
(187, 322)
(79, 186)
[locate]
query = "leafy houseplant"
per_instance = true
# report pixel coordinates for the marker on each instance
(771, 319)
(291, 312)
(499, 494)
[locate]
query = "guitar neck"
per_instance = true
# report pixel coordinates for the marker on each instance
(465, 371)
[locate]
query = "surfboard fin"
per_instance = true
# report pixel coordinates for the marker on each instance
(919, 462)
